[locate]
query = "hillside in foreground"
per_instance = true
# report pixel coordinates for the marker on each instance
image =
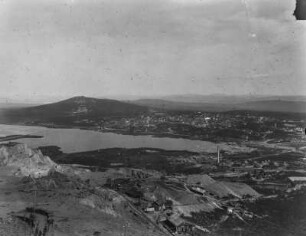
(40, 198)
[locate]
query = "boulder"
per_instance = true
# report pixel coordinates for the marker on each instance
(26, 161)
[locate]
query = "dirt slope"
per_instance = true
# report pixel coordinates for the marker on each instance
(53, 203)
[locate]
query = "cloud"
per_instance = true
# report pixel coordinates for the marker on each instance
(271, 9)
(141, 46)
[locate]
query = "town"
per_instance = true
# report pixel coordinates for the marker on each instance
(242, 174)
(197, 204)
(189, 193)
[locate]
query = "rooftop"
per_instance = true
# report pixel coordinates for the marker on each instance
(297, 178)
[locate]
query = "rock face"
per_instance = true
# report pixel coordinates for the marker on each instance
(28, 162)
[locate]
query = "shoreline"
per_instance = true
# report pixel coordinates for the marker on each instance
(18, 136)
(124, 132)
(233, 145)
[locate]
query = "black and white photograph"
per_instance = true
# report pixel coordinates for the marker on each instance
(152, 117)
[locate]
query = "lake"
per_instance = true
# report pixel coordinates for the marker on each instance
(76, 140)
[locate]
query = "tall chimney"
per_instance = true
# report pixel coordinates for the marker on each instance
(218, 150)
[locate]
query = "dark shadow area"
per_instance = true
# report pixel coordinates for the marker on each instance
(300, 10)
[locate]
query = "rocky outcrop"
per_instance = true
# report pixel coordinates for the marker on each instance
(26, 161)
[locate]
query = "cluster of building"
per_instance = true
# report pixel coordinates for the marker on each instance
(204, 125)
(169, 201)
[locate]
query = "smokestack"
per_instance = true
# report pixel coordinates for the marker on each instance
(218, 150)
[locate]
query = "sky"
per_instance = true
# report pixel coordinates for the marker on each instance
(104, 48)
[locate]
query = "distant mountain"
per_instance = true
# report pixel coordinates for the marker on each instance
(228, 99)
(183, 106)
(71, 110)
(16, 105)
(275, 106)
(84, 110)
(230, 103)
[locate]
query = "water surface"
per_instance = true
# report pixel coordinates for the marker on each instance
(76, 140)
